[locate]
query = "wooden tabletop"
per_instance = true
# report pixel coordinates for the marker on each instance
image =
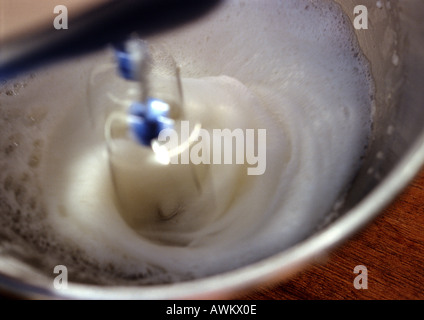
(391, 248)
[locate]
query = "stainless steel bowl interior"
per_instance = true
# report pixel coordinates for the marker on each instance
(394, 45)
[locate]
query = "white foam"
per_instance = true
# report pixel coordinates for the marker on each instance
(291, 67)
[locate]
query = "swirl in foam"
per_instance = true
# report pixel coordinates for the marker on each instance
(292, 67)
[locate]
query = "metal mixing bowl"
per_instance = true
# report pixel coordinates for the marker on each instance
(394, 44)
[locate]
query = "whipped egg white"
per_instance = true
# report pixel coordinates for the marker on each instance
(291, 67)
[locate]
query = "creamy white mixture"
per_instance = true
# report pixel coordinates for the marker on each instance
(291, 67)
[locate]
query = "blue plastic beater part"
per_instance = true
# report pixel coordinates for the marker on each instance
(148, 118)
